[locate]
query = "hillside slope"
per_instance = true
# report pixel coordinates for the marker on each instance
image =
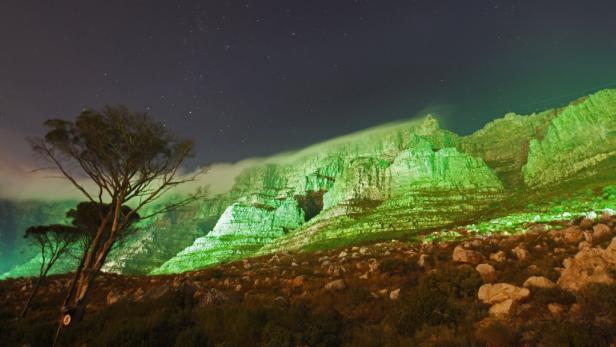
(400, 180)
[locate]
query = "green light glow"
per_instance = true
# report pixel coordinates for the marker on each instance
(397, 180)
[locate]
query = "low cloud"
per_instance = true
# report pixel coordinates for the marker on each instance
(22, 179)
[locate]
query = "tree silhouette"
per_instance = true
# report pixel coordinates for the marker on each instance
(53, 241)
(112, 157)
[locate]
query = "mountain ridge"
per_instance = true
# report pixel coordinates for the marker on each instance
(399, 179)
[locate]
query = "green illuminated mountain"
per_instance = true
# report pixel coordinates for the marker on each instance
(404, 180)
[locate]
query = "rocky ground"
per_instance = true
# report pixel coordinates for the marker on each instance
(553, 287)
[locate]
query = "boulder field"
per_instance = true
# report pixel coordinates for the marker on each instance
(477, 289)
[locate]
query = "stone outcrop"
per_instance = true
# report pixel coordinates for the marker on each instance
(580, 139)
(240, 230)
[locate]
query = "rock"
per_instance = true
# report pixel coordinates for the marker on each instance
(533, 269)
(556, 309)
(539, 282)
(462, 255)
(298, 281)
(588, 236)
(238, 287)
(586, 223)
(498, 257)
(573, 235)
(575, 309)
(590, 265)
(373, 264)
(363, 250)
(212, 297)
(487, 272)
(114, 296)
(342, 254)
(138, 294)
(495, 293)
(325, 263)
(503, 309)
(606, 216)
(521, 252)
(584, 244)
(335, 285)
(601, 232)
(394, 294)
(536, 229)
(423, 260)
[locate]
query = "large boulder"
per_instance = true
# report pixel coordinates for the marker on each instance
(462, 255)
(499, 292)
(590, 265)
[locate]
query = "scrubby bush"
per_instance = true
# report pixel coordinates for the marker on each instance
(445, 297)
(396, 266)
(544, 296)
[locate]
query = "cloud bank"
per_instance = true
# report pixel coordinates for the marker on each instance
(21, 178)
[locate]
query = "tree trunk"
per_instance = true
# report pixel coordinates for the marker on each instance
(74, 303)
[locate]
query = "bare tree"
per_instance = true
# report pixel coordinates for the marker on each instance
(53, 241)
(129, 159)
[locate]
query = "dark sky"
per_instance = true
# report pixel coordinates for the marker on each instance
(251, 78)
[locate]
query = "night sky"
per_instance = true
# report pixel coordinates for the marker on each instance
(252, 78)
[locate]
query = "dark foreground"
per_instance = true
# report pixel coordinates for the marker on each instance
(542, 288)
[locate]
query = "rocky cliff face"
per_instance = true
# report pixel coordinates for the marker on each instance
(580, 142)
(392, 181)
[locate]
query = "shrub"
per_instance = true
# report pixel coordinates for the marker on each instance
(544, 296)
(446, 297)
(395, 266)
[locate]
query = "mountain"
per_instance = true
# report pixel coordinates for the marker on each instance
(409, 179)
